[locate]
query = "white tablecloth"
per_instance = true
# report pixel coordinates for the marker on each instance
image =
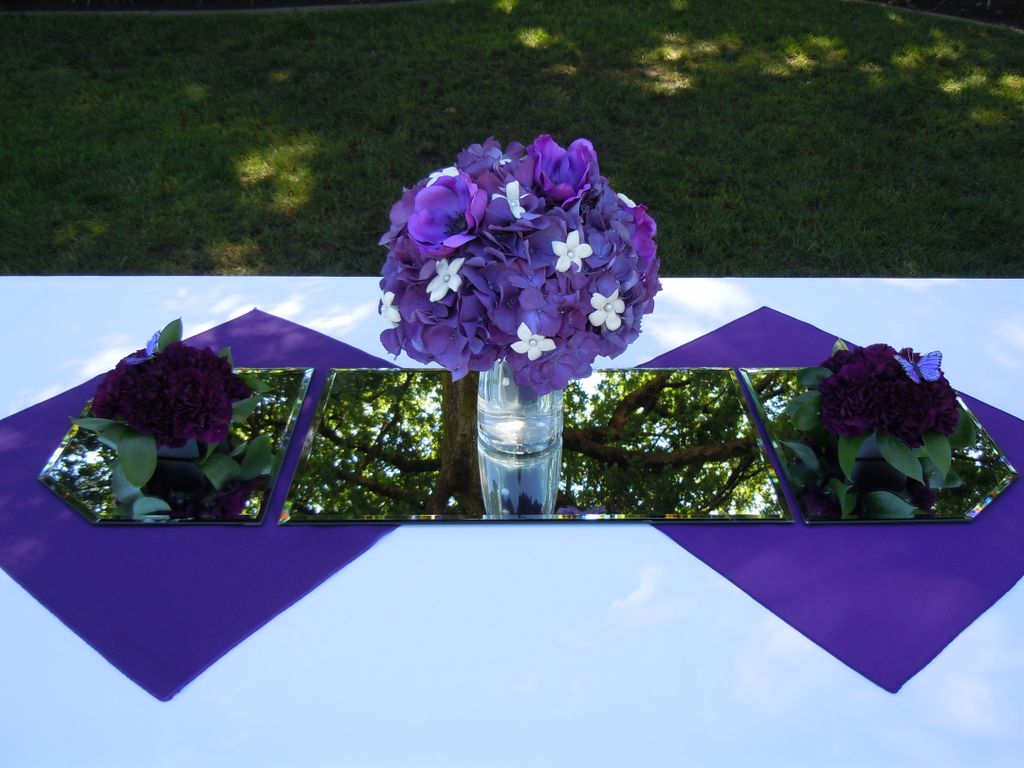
(512, 645)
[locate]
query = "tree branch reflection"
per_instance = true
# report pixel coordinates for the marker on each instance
(642, 444)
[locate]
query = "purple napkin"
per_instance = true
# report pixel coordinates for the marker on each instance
(884, 599)
(163, 603)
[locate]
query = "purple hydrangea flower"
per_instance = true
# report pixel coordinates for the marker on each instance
(526, 237)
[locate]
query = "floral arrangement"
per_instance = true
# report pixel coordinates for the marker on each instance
(878, 431)
(179, 402)
(523, 254)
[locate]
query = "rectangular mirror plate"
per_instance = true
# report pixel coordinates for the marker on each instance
(639, 445)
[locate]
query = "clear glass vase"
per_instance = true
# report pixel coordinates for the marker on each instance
(519, 442)
(514, 419)
(520, 486)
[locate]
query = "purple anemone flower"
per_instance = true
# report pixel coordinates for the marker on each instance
(446, 213)
(563, 175)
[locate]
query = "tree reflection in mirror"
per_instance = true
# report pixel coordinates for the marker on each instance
(638, 445)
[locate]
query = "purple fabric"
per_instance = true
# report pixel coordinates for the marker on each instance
(163, 603)
(884, 599)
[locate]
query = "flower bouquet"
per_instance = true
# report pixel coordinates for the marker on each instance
(878, 430)
(168, 412)
(523, 254)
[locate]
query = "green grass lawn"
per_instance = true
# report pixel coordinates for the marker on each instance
(783, 137)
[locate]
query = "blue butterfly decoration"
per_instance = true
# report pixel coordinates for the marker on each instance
(152, 344)
(140, 357)
(926, 369)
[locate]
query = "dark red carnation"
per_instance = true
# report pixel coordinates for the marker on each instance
(200, 501)
(200, 405)
(847, 405)
(869, 390)
(849, 397)
(819, 505)
(177, 395)
(229, 504)
(921, 496)
(902, 410)
(943, 408)
(839, 358)
(116, 385)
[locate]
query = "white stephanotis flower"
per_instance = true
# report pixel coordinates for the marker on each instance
(447, 278)
(530, 343)
(390, 311)
(629, 203)
(607, 310)
(451, 171)
(513, 197)
(572, 251)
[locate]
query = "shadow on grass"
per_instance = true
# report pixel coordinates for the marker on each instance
(810, 137)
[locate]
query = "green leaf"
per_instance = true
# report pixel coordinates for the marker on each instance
(797, 473)
(882, 505)
(256, 385)
(952, 480)
(812, 377)
(799, 481)
(896, 452)
(966, 434)
(805, 454)
(807, 420)
(170, 334)
(259, 458)
(124, 491)
(93, 424)
(149, 505)
(840, 346)
(845, 495)
(805, 411)
(225, 352)
(220, 470)
(208, 449)
(937, 448)
(138, 456)
(848, 448)
(933, 477)
(111, 436)
(238, 450)
(801, 401)
(242, 409)
(849, 504)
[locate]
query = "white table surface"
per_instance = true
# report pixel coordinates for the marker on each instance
(512, 645)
